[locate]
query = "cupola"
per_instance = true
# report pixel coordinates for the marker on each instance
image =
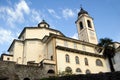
(82, 11)
(43, 24)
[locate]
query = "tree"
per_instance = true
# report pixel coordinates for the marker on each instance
(109, 50)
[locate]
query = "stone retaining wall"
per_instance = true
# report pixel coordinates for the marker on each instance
(12, 71)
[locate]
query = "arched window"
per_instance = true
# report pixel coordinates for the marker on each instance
(89, 24)
(8, 59)
(67, 58)
(100, 72)
(26, 79)
(51, 71)
(81, 25)
(99, 62)
(88, 71)
(86, 61)
(51, 57)
(78, 70)
(68, 70)
(77, 59)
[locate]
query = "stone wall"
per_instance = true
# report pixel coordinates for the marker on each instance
(7, 70)
(12, 71)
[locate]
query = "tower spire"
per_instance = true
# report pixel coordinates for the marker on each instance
(82, 11)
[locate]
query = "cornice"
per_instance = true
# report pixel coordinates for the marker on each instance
(78, 51)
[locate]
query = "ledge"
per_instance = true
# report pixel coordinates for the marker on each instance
(78, 51)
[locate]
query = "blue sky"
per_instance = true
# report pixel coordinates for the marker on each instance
(60, 14)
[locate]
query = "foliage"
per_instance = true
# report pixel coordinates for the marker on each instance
(61, 73)
(101, 76)
(65, 73)
(109, 50)
(68, 71)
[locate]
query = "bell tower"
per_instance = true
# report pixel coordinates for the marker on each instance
(85, 27)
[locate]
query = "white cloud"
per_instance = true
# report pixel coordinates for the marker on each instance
(22, 6)
(75, 36)
(6, 36)
(36, 16)
(16, 14)
(68, 13)
(53, 13)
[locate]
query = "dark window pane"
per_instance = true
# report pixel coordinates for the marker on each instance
(81, 25)
(89, 24)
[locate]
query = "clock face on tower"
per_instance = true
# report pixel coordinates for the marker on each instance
(91, 33)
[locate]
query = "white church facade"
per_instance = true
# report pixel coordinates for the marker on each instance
(50, 46)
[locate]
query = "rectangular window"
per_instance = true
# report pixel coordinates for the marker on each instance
(65, 43)
(67, 58)
(84, 48)
(86, 61)
(75, 46)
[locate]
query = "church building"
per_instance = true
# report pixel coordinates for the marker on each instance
(42, 44)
